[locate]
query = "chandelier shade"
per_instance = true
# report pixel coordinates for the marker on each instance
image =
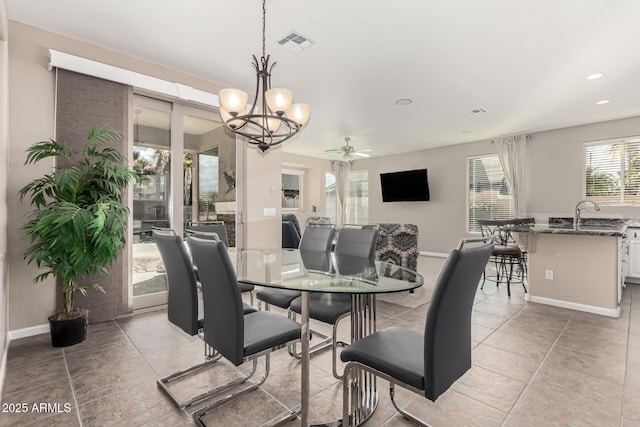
(273, 117)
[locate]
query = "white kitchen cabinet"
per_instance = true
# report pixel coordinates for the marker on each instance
(633, 237)
(623, 264)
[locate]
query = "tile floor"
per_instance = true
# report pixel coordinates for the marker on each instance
(533, 365)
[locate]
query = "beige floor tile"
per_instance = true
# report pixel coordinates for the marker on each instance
(631, 403)
(512, 421)
(487, 320)
(137, 405)
(34, 349)
(490, 388)
(542, 407)
(504, 362)
(518, 345)
(34, 375)
(629, 423)
(601, 367)
(582, 318)
(557, 377)
(632, 377)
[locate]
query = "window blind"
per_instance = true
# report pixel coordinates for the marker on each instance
(612, 173)
(489, 196)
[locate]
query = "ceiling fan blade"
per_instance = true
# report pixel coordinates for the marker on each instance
(365, 150)
(361, 154)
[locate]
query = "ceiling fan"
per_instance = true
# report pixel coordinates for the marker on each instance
(349, 151)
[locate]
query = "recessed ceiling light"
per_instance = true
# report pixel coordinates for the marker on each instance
(404, 101)
(602, 101)
(595, 76)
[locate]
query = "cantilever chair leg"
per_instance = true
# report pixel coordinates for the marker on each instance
(289, 415)
(212, 356)
(350, 413)
(325, 342)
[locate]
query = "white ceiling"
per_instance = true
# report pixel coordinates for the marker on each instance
(524, 61)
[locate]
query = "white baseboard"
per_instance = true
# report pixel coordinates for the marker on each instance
(433, 254)
(611, 312)
(29, 332)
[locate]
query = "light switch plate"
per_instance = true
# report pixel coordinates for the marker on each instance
(269, 211)
(548, 274)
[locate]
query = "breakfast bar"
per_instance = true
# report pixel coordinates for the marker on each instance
(581, 268)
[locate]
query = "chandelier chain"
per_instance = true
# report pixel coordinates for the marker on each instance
(264, 27)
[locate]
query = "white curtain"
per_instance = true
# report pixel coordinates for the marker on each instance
(341, 171)
(511, 151)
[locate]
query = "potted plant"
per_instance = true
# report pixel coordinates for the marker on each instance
(78, 223)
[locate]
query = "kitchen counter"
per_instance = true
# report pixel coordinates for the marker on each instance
(613, 230)
(580, 269)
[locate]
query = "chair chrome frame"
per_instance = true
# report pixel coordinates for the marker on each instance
(325, 342)
(197, 416)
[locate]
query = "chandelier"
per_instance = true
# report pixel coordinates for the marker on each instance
(273, 117)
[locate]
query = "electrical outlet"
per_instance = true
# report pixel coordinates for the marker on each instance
(548, 274)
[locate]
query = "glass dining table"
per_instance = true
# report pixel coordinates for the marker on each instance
(328, 272)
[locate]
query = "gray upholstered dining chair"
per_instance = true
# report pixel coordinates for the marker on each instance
(217, 231)
(184, 308)
(330, 308)
(220, 228)
(317, 239)
(237, 337)
(290, 236)
(427, 363)
(357, 242)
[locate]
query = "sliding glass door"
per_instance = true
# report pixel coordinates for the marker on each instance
(180, 154)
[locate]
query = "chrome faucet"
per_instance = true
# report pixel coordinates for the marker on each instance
(576, 220)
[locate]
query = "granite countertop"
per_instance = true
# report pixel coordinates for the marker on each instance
(613, 227)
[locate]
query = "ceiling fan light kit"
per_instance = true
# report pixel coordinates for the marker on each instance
(273, 117)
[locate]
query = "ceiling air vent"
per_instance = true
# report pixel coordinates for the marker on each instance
(478, 111)
(295, 42)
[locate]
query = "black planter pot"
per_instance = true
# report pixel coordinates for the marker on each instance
(68, 332)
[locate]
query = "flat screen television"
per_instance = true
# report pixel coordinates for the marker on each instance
(405, 186)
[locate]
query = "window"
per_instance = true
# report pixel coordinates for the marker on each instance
(330, 196)
(612, 172)
(292, 189)
(358, 197)
(489, 196)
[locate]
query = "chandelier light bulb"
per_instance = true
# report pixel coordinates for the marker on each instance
(233, 101)
(225, 115)
(279, 100)
(299, 113)
(272, 124)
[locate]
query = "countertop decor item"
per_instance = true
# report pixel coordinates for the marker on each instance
(273, 117)
(78, 223)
